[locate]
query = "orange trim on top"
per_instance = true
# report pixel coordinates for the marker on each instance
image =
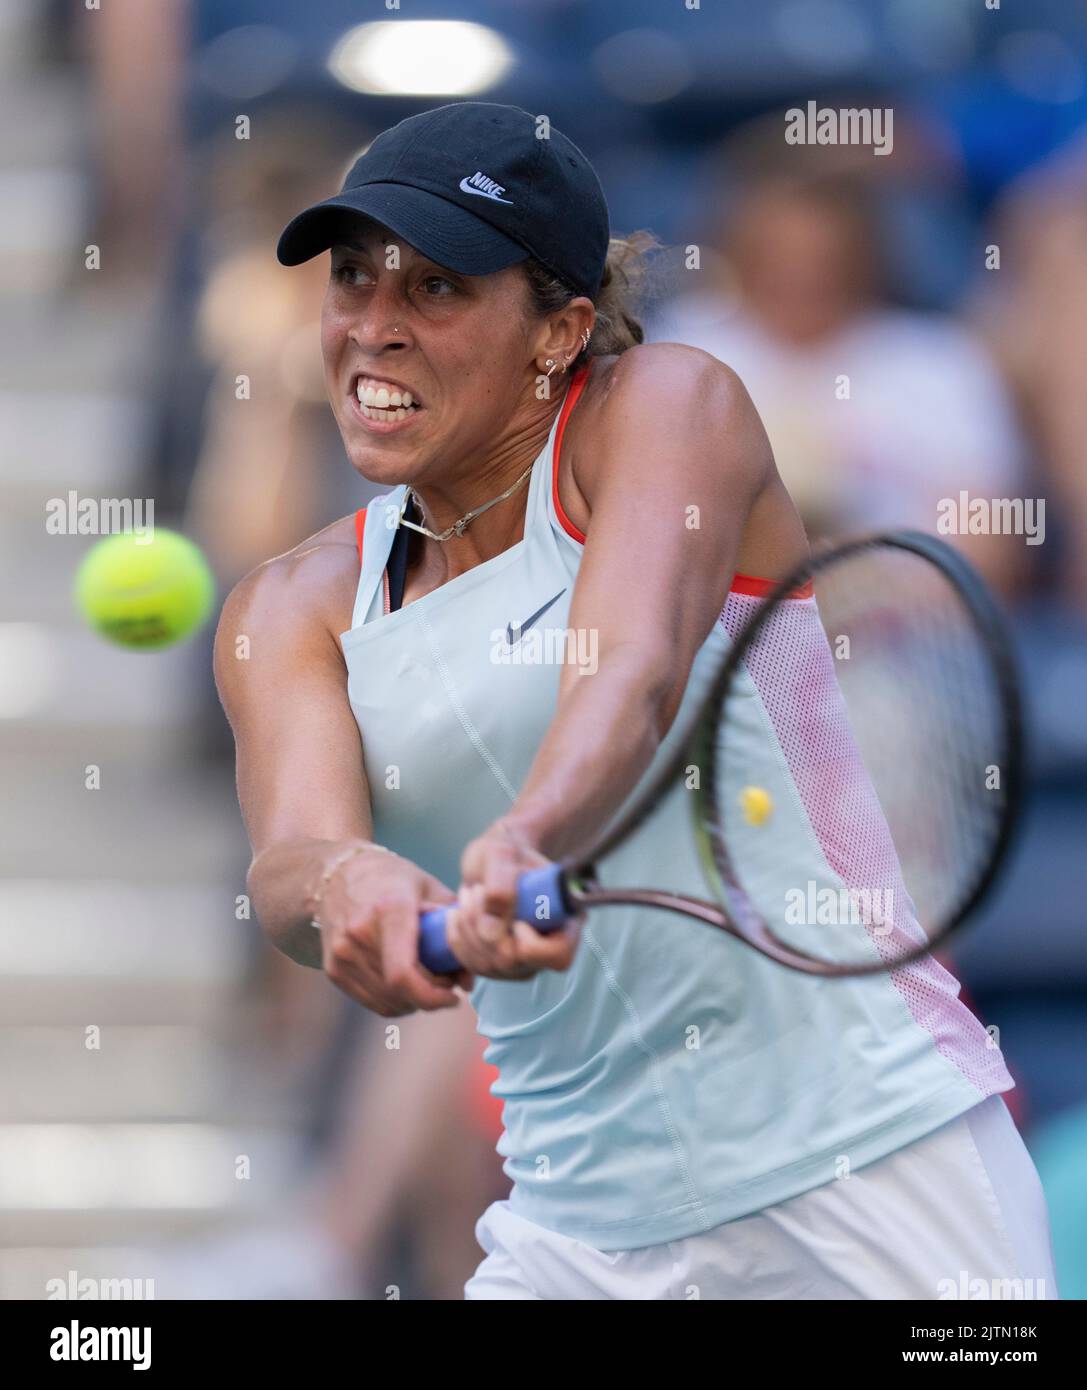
(747, 584)
(360, 526)
(759, 588)
(577, 385)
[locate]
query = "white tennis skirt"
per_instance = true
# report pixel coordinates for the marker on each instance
(958, 1214)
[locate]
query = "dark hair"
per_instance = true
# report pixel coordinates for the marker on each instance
(617, 302)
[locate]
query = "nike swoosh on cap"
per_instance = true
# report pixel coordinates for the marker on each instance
(522, 628)
(466, 187)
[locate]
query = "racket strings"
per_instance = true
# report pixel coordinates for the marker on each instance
(870, 721)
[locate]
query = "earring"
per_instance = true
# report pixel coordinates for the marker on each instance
(550, 364)
(585, 340)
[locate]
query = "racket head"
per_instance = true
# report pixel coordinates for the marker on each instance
(882, 820)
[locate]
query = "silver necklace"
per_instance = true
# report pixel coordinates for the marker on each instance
(457, 529)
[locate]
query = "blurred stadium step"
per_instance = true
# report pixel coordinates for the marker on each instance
(43, 159)
(109, 919)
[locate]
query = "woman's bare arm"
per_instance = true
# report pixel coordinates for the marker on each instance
(679, 477)
(679, 466)
(301, 783)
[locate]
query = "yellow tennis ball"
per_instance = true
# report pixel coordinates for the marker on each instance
(757, 805)
(145, 591)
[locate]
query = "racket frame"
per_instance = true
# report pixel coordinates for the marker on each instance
(580, 886)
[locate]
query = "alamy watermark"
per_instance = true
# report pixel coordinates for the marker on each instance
(84, 1286)
(93, 1343)
(992, 516)
(73, 515)
(855, 125)
(812, 906)
(547, 646)
(964, 1287)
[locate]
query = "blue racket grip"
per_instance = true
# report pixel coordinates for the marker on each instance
(546, 916)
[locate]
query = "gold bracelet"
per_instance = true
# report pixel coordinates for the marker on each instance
(336, 864)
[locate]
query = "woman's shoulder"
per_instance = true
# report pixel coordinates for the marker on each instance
(649, 398)
(654, 370)
(655, 387)
(312, 585)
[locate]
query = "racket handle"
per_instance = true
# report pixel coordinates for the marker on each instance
(547, 916)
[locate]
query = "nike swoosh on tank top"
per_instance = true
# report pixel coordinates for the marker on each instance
(672, 1079)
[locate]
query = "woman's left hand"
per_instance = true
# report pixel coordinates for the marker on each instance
(482, 930)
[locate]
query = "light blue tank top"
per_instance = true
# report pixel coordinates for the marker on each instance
(672, 1079)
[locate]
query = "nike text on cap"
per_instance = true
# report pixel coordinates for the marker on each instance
(474, 189)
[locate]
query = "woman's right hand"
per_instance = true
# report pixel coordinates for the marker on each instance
(369, 916)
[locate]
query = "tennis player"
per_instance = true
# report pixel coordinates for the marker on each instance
(473, 673)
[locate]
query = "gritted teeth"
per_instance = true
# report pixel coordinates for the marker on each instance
(383, 395)
(372, 412)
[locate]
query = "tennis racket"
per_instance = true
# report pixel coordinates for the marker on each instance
(876, 690)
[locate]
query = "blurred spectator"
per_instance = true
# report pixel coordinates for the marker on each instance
(272, 469)
(137, 55)
(1033, 310)
(875, 413)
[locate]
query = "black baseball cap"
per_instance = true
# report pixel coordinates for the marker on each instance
(476, 187)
